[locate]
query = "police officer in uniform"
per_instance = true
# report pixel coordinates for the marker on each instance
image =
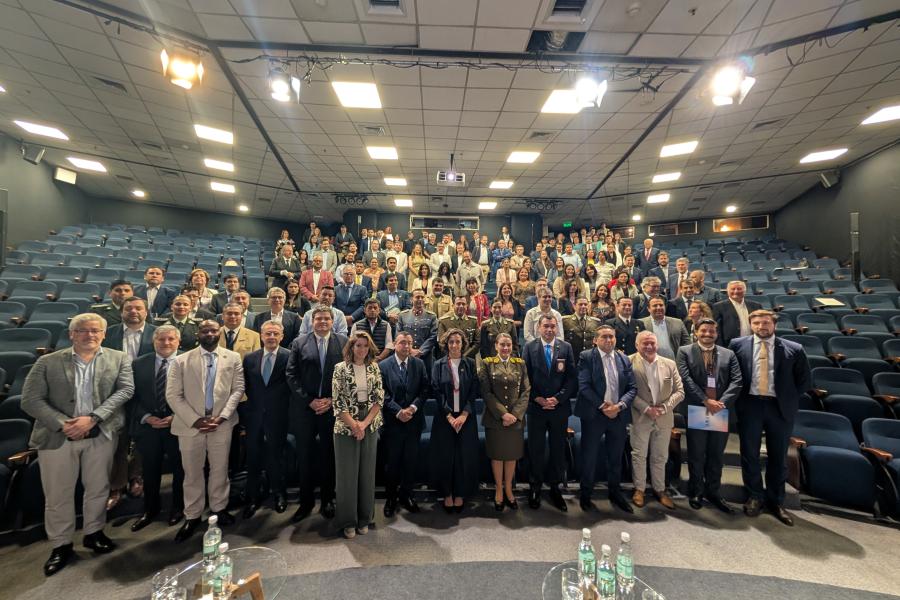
(188, 328)
(580, 328)
(459, 320)
(493, 327)
(423, 326)
(119, 290)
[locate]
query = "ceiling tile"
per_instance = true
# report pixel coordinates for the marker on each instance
(446, 38)
(277, 30)
(653, 44)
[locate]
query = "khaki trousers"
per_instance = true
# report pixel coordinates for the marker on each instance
(92, 459)
(645, 441)
(195, 451)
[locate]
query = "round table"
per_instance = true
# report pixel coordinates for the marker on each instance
(551, 589)
(247, 561)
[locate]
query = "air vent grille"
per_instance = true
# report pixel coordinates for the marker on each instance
(568, 7)
(385, 3)
(770, 124)
(113, 84)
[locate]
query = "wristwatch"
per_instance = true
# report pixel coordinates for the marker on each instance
(97, 420)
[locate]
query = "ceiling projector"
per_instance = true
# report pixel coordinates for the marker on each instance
(451, 177)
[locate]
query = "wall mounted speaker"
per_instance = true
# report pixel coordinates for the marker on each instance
(829, 178)
(33, 154)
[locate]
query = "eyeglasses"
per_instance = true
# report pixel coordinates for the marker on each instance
(88, 331)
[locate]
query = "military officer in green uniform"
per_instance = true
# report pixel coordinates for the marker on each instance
(119, 290)
(493, 327)
(458, 319)
(580, 328)
(505, 388)
(180, 319)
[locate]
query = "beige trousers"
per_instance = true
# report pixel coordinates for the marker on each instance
(647, 442)
(195, 450)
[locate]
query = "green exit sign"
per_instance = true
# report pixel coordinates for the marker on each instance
(567, 223)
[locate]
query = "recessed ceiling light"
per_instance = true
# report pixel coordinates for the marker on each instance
(523, 157)
(357, 95)
(216, 135)
(678, 149)
(243, 208)
(635, 217)
(663, 177)
(218, 186)
(219, 165)
(87, 165)
(382, 152)
(405, 202)
(658, 198)
(731, 208)
(487, 205)
(888, 113)
(139, 193)
(42, 130)
(563, 102)
(822, 155)
(394, 181)
(2, 90)
(501, 184)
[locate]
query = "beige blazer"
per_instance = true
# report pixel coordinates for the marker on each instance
(186, 385)
(247, 341)
(671, 391)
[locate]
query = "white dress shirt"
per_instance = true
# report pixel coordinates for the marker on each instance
(743, 317)
(651, 370)
(131, 341)
(454, 367)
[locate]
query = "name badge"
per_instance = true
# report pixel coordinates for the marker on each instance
(560, 366)
(710, 382)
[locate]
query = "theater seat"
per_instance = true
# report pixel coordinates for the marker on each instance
(844, 392)
(832, 466)
(881, 444)
(869, 326)
(887, 391)
(26, 339)
(860, 353)
(14, 434)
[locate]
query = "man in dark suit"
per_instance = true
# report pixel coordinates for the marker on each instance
(133, 336)
(343, 239)
(264, 416)
(406, 387)
(648, 258)
(151, 426)
(700, 365)
(232, 286)
(606, 389)
(663, 271)
(634, 272)
(391, 263)
(393, 300)
(775, 374)
(350, 297)
(551, 371)
(309, 371)
(674, 280)
(733, 314)
(290, 321)
(650, 288)
(158, 298)
(678, 306)
(625, 326)
(702, 291)
(285, 267)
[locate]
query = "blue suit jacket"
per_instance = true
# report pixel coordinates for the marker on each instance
(560, 384)
(265, 403)
(163, 302)
(403, 297)
(645, 265)
(351, 303)
(399, 394)
(792, 373)
(592, 385)
(401, 281)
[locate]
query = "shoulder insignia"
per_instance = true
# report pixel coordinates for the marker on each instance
(516, 361)
(100, 307)
(491, 360)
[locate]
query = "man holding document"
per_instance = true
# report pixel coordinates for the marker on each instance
(712, 382)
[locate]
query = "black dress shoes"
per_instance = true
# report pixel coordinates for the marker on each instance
(250, 509)
(280, 503)
(302, 512)
(187, 529)
(557, 500)
(99, 543)
(498, 506)
(144, 520)
(619, 501)
(512, 503)
(409, 503)
(721, 505)
(225, 518)
(752, 507)
(534, 498)
(59, 558)
(175, 517)
(390, 507)
(586, 505)
(782, 515)
(327, 509)
(696, 502)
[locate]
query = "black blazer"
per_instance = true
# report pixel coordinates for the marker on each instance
(592, 385)
(442, 386)
(280, 264)
(561, 382)
(218, 302)
(115, 337)
(664, 273)
(352, 303)
(289, 320)
(792, 373)
(676, 308)
(164, 297)
(626, 334)
(265, 404)
(145, 400)
(304, 373)
(693, 375)
(643, 263)
(401, 281)
(399, 394)
(727, 319)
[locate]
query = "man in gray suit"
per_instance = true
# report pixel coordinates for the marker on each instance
(76, 397)
(671, 334)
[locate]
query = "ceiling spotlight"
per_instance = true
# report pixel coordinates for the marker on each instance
(731, 83)
(182, 68)
(664, 177)
(678, 149)
(243, 208)
(889, 113)
(658, 198)
(589, 93)
(562, 102)
(87, 165)
(2, 90)
(283, 87)
(403, 202)
(487, 205)
(731, 208)
(139, 193)
(42, 130)
(822, 155)
(218, 186)
(635, 218)
(394, 181)
(501, 185)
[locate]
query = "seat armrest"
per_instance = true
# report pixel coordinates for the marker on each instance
(818, 392)
(17, 320)
(887, 399)
(802, 329)
(837, 357)
(796, 442)
(880, 455)
(868, 291)
(791, 293)
(570, 433)
(677, 433)
(894, 360)
(21, 459)
(828, 291)
(848, 331)
(861, 309)
(41, 350)
(778, 308)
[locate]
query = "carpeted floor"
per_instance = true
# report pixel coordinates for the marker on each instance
(688, 554)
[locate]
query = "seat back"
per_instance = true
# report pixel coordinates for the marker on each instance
(817, 321)
(54, 311)
(25, 339)
(840, 381)
(14, 434)
(883, 434)
(825, 429)
(868, 323)
(887, 384)
(853, 347)
(874, 301)
(810, 343)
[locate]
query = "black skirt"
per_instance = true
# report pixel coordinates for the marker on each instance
(454, 457)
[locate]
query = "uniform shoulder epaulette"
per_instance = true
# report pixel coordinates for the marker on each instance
(516, 360)
(448, 316)
(103, 306)
(595, 319)
(430, 312)
(491, 360)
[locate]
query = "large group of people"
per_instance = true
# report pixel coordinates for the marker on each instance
(361, 333)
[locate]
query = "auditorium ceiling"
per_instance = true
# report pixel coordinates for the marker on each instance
(92, 69)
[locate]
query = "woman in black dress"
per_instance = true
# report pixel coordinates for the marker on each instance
(454, 433)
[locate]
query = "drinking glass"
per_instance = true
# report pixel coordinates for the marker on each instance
(163, 581)
(571, 585)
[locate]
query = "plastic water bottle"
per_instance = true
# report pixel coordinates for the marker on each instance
(625, 567)
(224, 570)
(211, 540)
(587, 559)
(606, 574)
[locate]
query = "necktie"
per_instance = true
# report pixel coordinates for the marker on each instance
(763, 369)
(229, 340)
(548, 355)
(210, 382)
(267, 367)
(612, 379)
(321, 364)
(403, 370)
(161, 385)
